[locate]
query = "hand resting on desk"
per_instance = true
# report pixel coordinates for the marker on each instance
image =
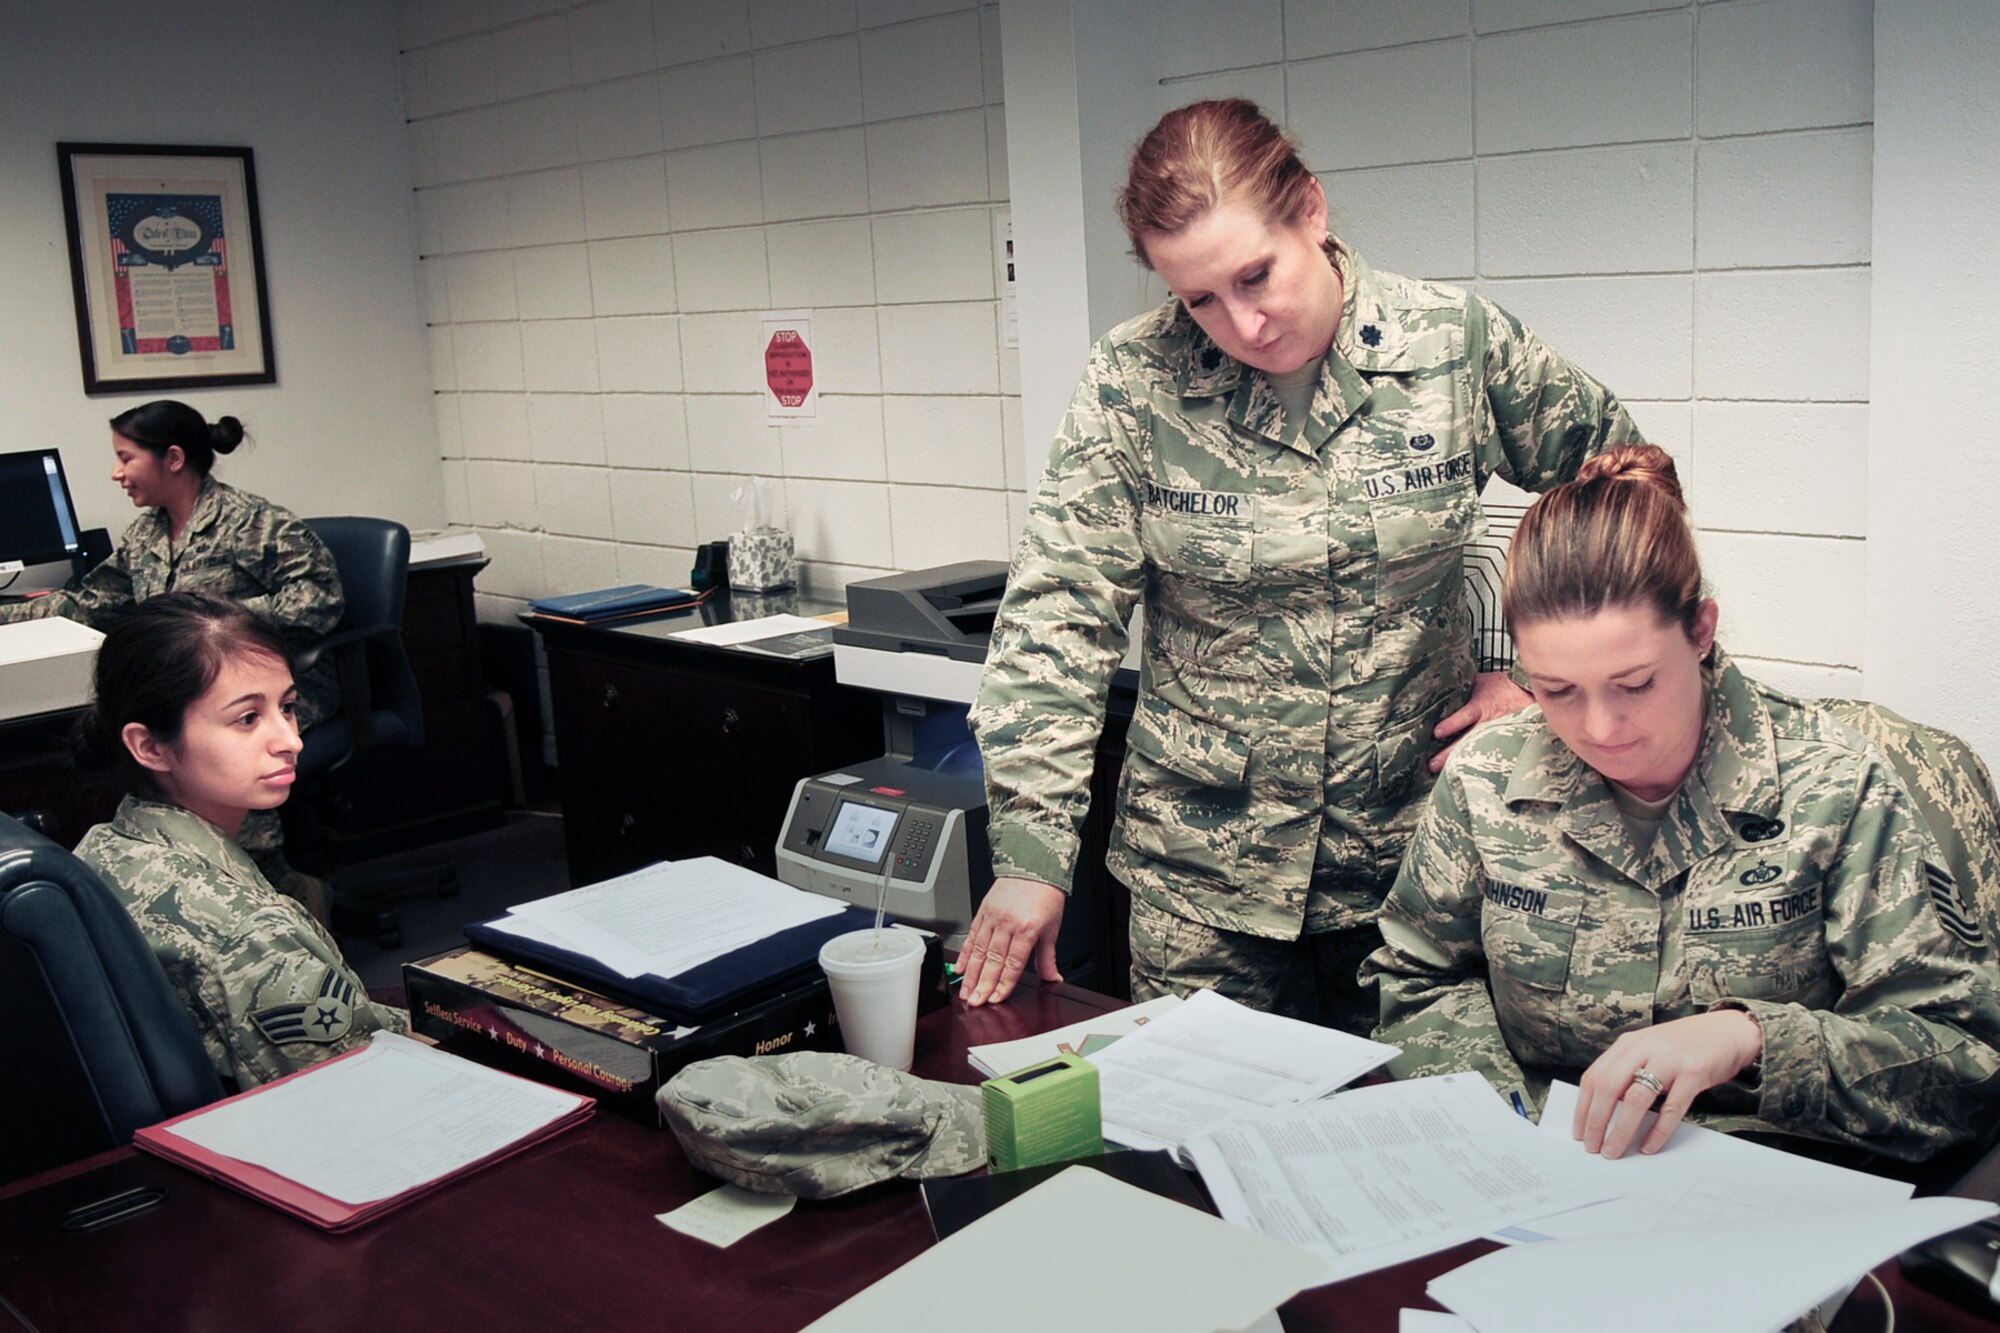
(1017, 919)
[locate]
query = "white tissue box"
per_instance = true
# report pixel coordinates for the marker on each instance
(761, 559)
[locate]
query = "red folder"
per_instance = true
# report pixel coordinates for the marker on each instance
(289, 1196)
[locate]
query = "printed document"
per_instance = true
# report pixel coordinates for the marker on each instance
(1211, 1060)
(1701, 1177)
(749, 631)
(391, 1118)
(726, 1215)
(1379, 1175)
(1756, 1277)
(1085, 1038)
(668, 918)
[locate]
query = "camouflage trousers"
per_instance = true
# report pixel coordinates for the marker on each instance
(1312, 977)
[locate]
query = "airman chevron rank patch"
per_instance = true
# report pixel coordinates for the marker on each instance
(1950, 911)
(327, 1017)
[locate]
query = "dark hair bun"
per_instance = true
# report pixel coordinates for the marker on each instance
(92, 746)
(1643, 464)
(225, 435)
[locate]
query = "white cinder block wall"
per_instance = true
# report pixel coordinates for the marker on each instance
(1677, 196)
(608, 195)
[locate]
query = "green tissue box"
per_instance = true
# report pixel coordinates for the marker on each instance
(1048, 1112)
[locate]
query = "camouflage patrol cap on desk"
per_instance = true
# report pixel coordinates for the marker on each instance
(818, 1124)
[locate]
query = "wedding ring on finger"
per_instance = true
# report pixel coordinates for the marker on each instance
(1648, 1079)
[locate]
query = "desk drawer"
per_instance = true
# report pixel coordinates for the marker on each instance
(742, 749)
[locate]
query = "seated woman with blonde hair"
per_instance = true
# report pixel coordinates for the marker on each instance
(1677, 887)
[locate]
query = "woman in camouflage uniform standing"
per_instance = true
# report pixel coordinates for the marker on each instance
(196, 708)
(1682, 886)
(1283, 462)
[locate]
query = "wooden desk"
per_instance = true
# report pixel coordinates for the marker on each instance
(669, 749)
(564, 1237)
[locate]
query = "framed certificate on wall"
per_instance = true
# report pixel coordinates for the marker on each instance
(167, 260)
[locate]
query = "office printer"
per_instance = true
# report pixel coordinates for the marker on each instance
(917, 815)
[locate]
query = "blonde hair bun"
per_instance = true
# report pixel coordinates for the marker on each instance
(1643, 464)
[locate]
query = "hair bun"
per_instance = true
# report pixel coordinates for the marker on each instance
(225, 435)
(1642, 464)
(91, 748)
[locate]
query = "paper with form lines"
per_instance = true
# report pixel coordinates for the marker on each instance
(391, 1118)
(1378, 1175)
(1211, 1060)
(1700, 1177)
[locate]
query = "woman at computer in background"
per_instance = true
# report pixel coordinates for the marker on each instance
(1675, 886)
(195, 708)
(200, 532)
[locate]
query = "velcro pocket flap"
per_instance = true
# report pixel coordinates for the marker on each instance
(1196, 748)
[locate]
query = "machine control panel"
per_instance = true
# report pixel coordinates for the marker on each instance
(844, 833)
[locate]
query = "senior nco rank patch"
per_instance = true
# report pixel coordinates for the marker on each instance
(1950, 910)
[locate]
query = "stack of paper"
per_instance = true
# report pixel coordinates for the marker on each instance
(1211, 1061)
(685, 939)
(436, 547)
(776, 636)
(1699, 1179)
(346, 1141)
(1752, 1276)
(667, 918)
(1380, 1175)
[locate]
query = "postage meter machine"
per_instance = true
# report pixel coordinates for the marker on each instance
(916, 817)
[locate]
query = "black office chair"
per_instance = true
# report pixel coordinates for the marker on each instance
(380, 709)
(94, 1042)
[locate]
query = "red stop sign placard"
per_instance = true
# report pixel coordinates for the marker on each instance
(788, 367)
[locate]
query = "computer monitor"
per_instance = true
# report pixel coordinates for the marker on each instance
(37, 520)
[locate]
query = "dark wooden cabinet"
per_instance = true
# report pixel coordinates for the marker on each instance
(667, 749)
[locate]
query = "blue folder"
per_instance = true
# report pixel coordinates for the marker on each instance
(714, 989)
(606, 603)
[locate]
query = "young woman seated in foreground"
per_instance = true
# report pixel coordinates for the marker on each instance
(1676, 886)
(195, 707)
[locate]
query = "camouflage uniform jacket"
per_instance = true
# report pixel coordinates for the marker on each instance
(266, 986)
(1952, 790)
(235, 544)
(1305, 622)
(1792, 877)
